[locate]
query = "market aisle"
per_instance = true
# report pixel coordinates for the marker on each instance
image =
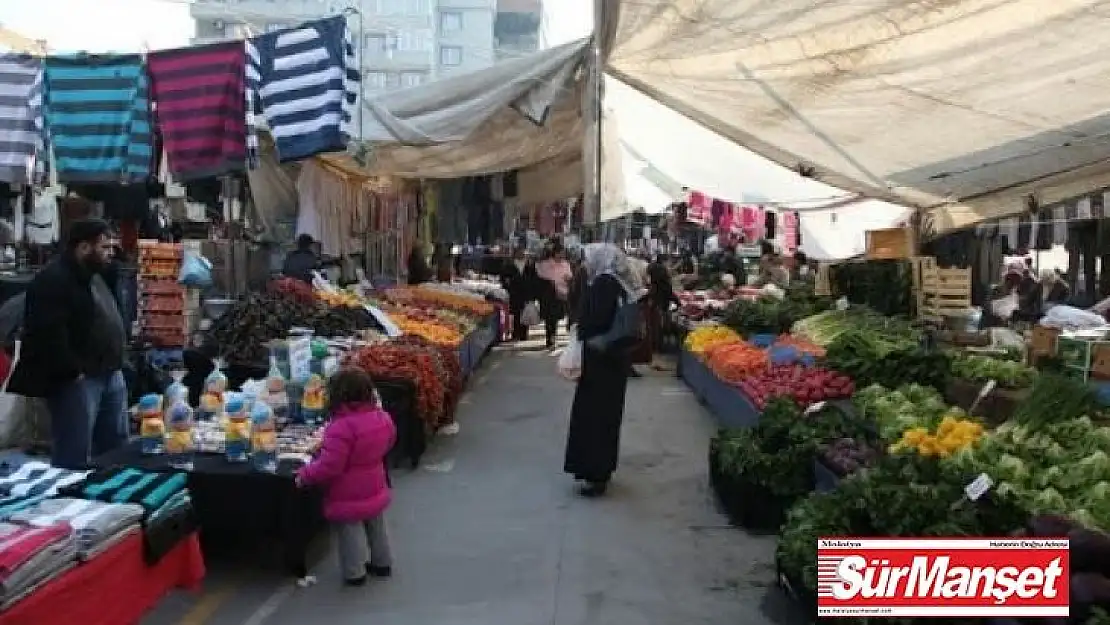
(489, 531)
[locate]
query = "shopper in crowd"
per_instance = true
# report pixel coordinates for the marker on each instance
(73, 349)
(441, 260)
(1050, 291)
(350, 467)
(593, 440)
(555, 275)
(417, 265)
(577, 288)
(801, 271)
(302, 261)
(660, 297)
(518, 278)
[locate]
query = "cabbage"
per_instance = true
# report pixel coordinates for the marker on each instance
(1097, 496)
(1056, 453)
(1004, 489)
(1095, 466)
(1052, 476)
(1011, 468)
(1049, 500)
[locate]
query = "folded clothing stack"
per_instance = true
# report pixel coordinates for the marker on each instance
(97, 525)
(24, 485)
(30, 556)
(168, 516)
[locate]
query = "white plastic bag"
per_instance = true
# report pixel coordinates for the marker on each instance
(196, 271)
(1005, 306)
(530, 316)
(570, 361)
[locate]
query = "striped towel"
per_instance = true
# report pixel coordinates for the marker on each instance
(22, 154)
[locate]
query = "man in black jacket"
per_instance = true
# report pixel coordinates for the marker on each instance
(301, 262)
(73, 349)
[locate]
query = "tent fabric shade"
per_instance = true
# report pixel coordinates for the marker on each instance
(963, 107)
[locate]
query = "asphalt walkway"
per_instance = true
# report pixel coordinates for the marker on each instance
(489, 531)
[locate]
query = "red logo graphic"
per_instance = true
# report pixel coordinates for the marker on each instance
(949, 577)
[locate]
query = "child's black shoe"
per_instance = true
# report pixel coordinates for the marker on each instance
(379, 571)
(357, 581)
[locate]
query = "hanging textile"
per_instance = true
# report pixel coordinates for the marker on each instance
(333, 208)
(306, 82)
(98, 117)
(699, 208)
(200, 102)
(752, 221)
(789, 232)
(21, 123)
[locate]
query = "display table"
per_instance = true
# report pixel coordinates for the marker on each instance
(236, 505)
(114, 588)
(729, 406)
(482, 339)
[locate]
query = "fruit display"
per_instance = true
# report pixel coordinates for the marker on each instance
(733, 362)
(293, 288)
(411, 362)
(434, 332)
(241, 333)
(702, 338)
(338, 298)
(802, 385)
(953, 433)
(436, 298)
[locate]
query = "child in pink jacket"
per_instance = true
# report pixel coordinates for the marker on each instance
(351, 470)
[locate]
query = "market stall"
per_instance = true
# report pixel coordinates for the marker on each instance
(273, 352)
(109, 545)
(873, 428)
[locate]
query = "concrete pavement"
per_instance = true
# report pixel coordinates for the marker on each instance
(488, 531)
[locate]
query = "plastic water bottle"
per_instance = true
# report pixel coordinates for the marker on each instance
(314, 400)
(152, 427)
(263, 438)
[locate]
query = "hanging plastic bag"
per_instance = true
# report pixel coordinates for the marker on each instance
(570, 361)
(530, 316)
(196, 271)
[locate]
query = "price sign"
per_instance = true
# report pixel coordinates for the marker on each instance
(978, 487)
(391, 329)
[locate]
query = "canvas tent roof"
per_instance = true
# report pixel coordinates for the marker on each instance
(961, 106)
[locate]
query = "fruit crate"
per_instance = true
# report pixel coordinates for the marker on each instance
(150, 250)
(162, 304)
(162, 287)
(165, 321)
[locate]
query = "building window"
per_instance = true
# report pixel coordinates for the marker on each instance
(219, 27)
(274, 26)
(414, 41)
(450, 21)
(392, 7)
(375, 80)
(418, 7)
(392, 80)
(412, 79)
(450, 56)
(375, 44)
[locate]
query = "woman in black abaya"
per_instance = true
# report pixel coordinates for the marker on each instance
(593, 442)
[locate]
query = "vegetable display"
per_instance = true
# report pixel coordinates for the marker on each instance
(872, 358)
(292, 287)
(410, 362)
(953, 434)
(804, 386)
(1061, 468)
(825, 327)
(734, 362)
(433, 332)
(1056, 397)
(894, 412)
(844, 456)
(1007, 374)
(702, 338)
(437, 298)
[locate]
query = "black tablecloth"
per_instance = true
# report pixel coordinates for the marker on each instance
(237, 505)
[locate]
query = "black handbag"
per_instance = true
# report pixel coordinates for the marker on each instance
(627, 328)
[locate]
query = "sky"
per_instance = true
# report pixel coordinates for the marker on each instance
(135, 25)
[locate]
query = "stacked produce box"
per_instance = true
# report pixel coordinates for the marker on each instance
(162, 301)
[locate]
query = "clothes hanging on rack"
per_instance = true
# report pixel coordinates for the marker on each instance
(98, 117)
(306, 80)
(21, 122)
(200, 106)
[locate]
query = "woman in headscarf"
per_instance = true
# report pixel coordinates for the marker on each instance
(555, 275)
(518, 278)
(593, 441)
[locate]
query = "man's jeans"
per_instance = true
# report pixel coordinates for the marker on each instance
(88, 417)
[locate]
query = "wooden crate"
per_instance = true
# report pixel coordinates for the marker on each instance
(889, 244)
(943, 291)
(822, 285)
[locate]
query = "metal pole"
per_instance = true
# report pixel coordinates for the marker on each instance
(361, 47)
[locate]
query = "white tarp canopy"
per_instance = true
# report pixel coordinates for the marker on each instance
(839, 233)
(964, 107)
(520, 113)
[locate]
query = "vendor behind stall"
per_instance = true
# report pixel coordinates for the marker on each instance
(301, 262)
(73, 349)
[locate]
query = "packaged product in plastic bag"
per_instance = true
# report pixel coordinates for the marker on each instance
(176, 391)
(275, 396)
(196, 271)
(314, 400)
(152, 427)
(212, 399)
(179, 443)
(237, 429)
(263, 438)
(570, 361)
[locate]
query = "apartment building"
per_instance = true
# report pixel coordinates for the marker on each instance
(516, 29)
(404, 42)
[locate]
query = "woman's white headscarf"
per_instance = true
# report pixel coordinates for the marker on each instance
(608, 259)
